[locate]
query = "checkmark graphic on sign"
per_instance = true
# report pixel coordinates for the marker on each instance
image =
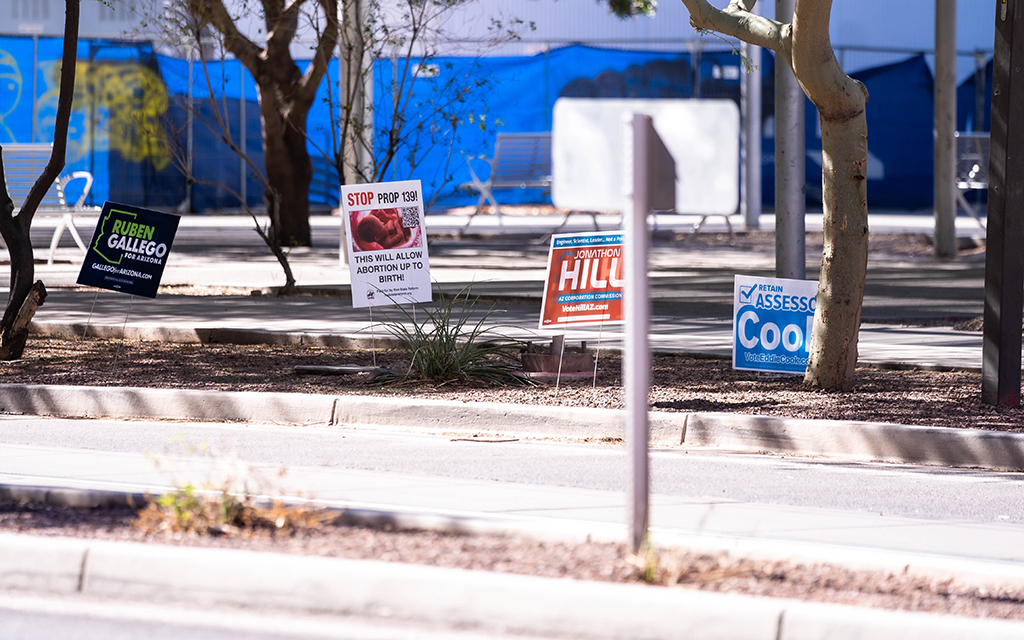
(746, 291)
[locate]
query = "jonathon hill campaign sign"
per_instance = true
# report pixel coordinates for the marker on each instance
(129, 250)
(584, 285)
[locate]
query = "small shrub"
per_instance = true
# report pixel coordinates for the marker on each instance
(214, 512)
(447, 346)
(229, 504)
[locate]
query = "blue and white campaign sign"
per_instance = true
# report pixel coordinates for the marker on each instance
(772, 320)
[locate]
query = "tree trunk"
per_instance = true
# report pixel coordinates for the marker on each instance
(25, 297)
(289, 173)
(16, 235)
(15, 335)
(844, 260)
(841, 103)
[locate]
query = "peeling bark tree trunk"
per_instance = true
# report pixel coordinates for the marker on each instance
(25, 296)
(844, 259)
(841, 101)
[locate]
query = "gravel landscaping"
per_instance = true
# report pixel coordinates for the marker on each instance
(679, 383)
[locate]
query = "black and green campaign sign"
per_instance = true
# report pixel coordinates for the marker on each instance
(129, 249)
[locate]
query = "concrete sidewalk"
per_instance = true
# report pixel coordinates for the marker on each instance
(981, 554)
(489, 603)
(691, 289)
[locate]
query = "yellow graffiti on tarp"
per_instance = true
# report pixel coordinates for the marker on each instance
(118, 105)
(10, 92)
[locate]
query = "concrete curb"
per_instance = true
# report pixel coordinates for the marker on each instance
(864, 441)
(861, 441)
(209, 335)
(454, 598)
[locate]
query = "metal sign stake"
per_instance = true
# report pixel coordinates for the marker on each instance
(120, 342)
(636, 361)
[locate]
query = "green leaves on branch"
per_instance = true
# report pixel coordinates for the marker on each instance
(630, 8)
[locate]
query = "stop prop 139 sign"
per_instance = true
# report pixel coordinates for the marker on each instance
(772, 320)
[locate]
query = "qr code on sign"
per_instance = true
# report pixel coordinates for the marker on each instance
(410, 217)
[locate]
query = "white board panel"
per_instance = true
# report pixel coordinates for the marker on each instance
(588, 147)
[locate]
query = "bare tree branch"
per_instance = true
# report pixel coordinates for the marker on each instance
(836, 95)
(53, 168)
(737, 21)
(327, 41)
(282, 26)
(241, 47)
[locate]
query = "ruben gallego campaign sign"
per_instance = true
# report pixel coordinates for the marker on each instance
(772, 320)
(129, 250)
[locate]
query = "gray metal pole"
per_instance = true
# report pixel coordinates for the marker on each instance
(35, 88)
(945, 126)
(790, 159)
(187, 204)
(243, 168)
(637, 357)
(750, 96)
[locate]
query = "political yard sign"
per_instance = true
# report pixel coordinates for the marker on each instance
(584, 283)
(129, 250)
(387, 243)
(772, 320)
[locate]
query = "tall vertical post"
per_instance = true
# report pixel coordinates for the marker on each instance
(945, 125)
(1004, 261)
(750, 97)
(356, 90)
(186, 205)
(35, 88)
(243, 168)
(637, 357)
(790, 165)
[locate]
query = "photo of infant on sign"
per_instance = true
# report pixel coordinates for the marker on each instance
(378, 229)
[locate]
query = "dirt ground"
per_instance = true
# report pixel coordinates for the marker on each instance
(679, 383)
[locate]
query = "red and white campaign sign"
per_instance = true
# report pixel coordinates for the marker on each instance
(584, 283)
(387, 243)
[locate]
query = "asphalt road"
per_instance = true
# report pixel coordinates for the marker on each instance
(892, 490)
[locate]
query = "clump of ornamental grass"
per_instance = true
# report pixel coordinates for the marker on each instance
(447, 345)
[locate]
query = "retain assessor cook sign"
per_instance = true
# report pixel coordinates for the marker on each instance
(387, 243)
(584, 284)
(129, 250)
(772, 320)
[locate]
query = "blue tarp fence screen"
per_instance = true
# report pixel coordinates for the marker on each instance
(126, 93)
